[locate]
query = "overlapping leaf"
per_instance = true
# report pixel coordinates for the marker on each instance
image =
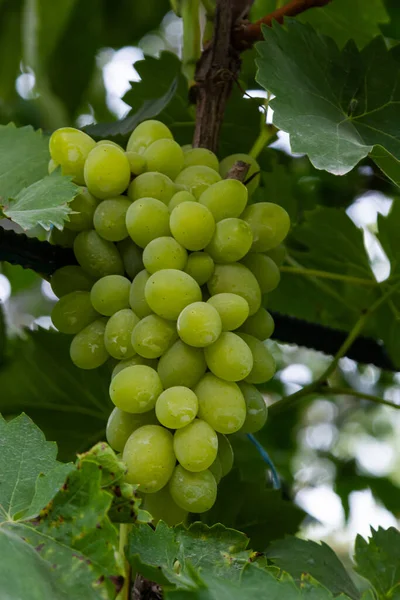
(378, 560)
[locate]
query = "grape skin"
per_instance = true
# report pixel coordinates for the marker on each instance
(145, 134)
(236, 279)
(146, 220)
(137, 299)
(117, 336)
(181, 365)
(232, 308)
(164, 253)
(121, 425)
(110, 294)
(199, 324)
(221, 404)
(229, 357)
(167, 292)
(87, 349)
(135, 389)
(73, 312)
(107, 171)
(70, 279)
(192, 225)
(96, 256)
(109, 219)
(196, 446)
(152, 336)
(194, 492)
(152, 185)
(176, 407)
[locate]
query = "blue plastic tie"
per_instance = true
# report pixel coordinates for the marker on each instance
(276, 482)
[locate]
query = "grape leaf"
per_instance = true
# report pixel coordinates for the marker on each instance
(378, 560)
(338, 106)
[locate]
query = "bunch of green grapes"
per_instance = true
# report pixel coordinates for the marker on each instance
(173, 266)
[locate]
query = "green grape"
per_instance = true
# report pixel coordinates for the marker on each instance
(236, 279)
(164, 156)
(137, 300)
(256, 409)
(176, 407)
(196, 446)
(110, 294)
(199, 324)
(225, 454)
(70, 148)
(278, 254)
(231, 241)
(229, 357)
(164, 253)
(130, 362)
(167, 292)
(269, 223)
(152, 185)
(52, 166)
(233, 309)
(162, 508)
(96, 256)
(70, 279)
(109, 219)
(137, 163)
(227, 163)
(263, 362)
(200, 156)
(221, 404)
(194, 492)
(64, 237)
(264, 270)
(87, 349)
(107, 171)
(192, 225)
(152, 336)
(146, 220)
(107, 142)
(131, 256)
(179, 197)
(261, 325)
(181, 365)
(145, 134)
(197, 178)
(73, 312)
(135, 389)
(121, 424)
(149, 458)
(216, 469)
(117, 337)
(186, 147)
(200, 266)
(225, 199)
(84, 206)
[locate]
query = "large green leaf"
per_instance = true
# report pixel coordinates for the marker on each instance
(378, 560)
(337, 105)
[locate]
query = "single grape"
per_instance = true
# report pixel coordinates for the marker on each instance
(263, 362)
(261, 325)
(196, 446)
(227, 163)
(197, 178)
(83, 207)
(200, 156)
(192, 225)
(232, 309)
(135, 389)
(221, 404)
(236, 279)
(199, 324)
(152, 336)
(149, 458)
(264, 270)
(130, 362)
(137, 300)
(225, 454)
(73, 312)
(229, 357)
(107, 172)
(256, 409)
(152, 185)
(70, 148)
(110, 294)
(162, 508)
(96, 256)
(194, 492)
(179, 197)
(146, 220)
(200, 266)
(70, 279)
(117, 337)
(231, 241)
(137, 163)
(64, 237)
(225, 199)
(145, 134)
(181, 365)
(176, 407)
(121, 425)
(87, 349)
(270, 224)
(107, 142)
(131, 256)
(216, 469)
(164, 156)
(167, 292)
(164, 253)
(109, 219)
